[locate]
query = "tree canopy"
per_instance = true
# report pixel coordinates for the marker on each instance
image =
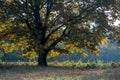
(44, 28)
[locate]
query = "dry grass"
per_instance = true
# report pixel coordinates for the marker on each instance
(21, 72)
(33, 72)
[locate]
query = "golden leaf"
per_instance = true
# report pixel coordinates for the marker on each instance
(85, 55)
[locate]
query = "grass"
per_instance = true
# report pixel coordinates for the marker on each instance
(60, 71)
(88, 65)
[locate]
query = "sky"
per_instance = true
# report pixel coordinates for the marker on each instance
(117, 22)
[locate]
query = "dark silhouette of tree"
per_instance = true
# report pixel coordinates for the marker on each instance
(51, 27)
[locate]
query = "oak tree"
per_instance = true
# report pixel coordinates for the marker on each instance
(44, 28)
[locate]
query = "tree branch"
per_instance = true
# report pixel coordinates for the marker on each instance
(57, 40)
(49, 8)
(30, 28)
(53, 32)
(37, 20)
(85, 11)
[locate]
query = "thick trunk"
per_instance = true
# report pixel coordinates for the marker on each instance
(42, 59)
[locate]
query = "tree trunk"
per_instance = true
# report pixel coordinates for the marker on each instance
(42, 59)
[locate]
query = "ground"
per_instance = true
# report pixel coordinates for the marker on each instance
(28, 72)
(20, 73)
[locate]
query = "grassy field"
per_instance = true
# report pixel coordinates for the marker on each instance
(60, 71)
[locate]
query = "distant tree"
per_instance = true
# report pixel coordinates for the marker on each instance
(44, 28)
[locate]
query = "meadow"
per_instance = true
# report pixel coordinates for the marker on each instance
(67, 70)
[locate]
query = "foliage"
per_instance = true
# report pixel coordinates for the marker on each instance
(85, 65)
(68, 64)
(45, 28)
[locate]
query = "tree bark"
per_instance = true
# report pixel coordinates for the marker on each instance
(42, 59)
